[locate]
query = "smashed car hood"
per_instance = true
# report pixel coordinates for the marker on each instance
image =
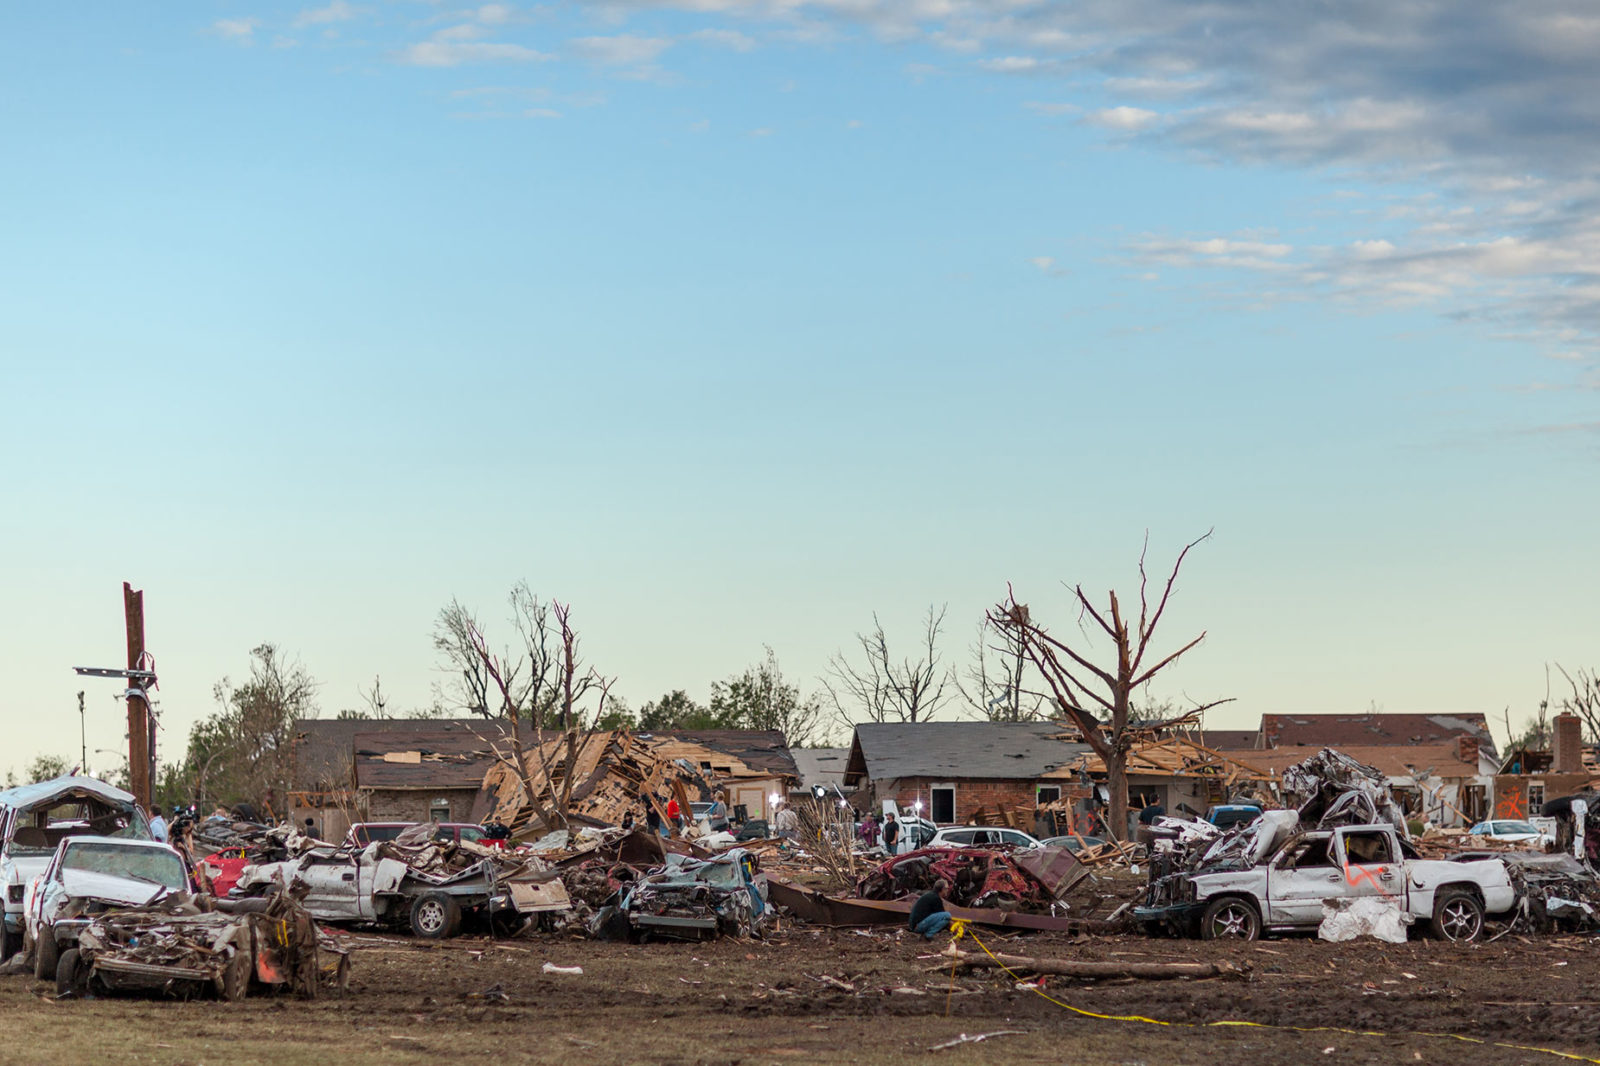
(127, 891)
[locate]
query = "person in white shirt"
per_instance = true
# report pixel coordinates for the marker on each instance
(158, 825)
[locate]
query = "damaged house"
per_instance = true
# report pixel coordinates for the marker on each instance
(955, 772)
(390, 770)
(1529, 777)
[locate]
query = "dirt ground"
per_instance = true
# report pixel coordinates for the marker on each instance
(734, 1003)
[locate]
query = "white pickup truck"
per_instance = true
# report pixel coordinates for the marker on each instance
(1281, 885)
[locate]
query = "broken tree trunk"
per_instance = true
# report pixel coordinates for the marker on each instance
(1146, 971)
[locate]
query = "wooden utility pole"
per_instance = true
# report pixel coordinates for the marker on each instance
(141, 740)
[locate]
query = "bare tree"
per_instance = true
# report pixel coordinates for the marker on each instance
(545, 685)
(884, 689)
(1081, 689)
(1584, 701)
(993, 684)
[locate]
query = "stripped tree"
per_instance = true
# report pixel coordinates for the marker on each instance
(1083, 690)
(545, 685)
(882, 688)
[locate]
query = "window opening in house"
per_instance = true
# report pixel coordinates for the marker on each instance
(1048, 794)
(1535, 797)
(439, 811)
(942, 804)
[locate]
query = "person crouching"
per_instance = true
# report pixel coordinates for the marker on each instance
(928, 914)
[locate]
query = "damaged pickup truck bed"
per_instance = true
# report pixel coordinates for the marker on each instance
(1273, 878)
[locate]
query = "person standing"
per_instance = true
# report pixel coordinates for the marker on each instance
(891, 833)
(928, 914)
(158, 825)
(717, 816)
(674, 817)
(652, 820)
(868, 831)
(787, 822)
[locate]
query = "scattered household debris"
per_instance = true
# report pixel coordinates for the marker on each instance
(1374, 916)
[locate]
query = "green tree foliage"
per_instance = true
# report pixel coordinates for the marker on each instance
(44, 767)
(676, 710)
(759, 698)
(243, 751)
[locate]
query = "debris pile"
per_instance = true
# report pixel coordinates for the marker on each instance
(598, 779)
(1331, 789)
(979, 877)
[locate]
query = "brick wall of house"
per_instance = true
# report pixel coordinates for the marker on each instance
(990, 795)
(409, 805)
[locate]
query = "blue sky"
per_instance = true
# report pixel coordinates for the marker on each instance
(735, 321)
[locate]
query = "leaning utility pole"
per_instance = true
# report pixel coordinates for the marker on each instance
(141, 736)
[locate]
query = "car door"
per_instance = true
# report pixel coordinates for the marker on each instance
(1369, 863)
(333, 889)
(1300, 877)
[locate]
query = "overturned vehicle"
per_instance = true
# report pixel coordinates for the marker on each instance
(413, 882)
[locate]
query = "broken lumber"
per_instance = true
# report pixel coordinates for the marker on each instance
(1146, 971)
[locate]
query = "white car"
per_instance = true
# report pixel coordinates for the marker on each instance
(1512, 831)
(89, 875)
(982, 836)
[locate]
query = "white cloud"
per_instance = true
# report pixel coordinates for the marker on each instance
(730, 39)
(447, 53)
(1122, 118)
(541, 112)
(623, 50)
(239, 29)
(762, 131)
(1043, 262)
(1011, 64)
(337, 11)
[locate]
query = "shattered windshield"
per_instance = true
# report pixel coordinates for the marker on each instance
(155, 865)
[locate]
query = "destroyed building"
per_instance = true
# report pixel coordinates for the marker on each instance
(1529, 777)
(390, 770)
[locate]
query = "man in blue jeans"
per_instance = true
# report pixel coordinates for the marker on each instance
(928, 915)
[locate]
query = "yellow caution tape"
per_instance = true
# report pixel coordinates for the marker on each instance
(958, 933)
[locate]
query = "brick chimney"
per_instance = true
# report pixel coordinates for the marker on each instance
(1467, 750)
(1568, 753)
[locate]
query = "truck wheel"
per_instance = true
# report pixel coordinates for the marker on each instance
(1457, 915)
(435, 916)
(72, 975)
(1230, 918)
(46, 955)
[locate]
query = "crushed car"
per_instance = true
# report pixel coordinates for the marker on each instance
(1280, 881)
(176, 949)
(35, 818)
(413, 882)
(89, 876)
(687, 898)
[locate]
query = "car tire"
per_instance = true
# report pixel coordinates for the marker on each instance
(1457, 915)
(235, 979)
(72, 975)
(1230, 918)
(435, 916)
(46, 956)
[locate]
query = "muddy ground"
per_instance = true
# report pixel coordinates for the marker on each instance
(737, 1003)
